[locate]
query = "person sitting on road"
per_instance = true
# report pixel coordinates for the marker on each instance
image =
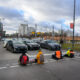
(57, 55)
(24, 59)
(69, 53)
(40, 57)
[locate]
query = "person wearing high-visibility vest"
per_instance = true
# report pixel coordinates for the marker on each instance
(69, 53)
(40, 57)
(57, 55)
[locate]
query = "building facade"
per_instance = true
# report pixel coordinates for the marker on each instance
(25, 29)
(2, 33)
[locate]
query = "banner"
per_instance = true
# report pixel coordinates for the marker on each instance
(71, 25)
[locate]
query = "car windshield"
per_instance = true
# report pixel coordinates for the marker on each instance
(7, 39)
(50, 41)
(17, 42)
(27, 41)
(32, 41)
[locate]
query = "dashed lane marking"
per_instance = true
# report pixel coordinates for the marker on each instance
(14, 66)
(3, 67)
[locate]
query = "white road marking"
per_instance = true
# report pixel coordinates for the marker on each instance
(35, 55)
(46, 61)
(3, 67)
(14, 66)
(47, 54)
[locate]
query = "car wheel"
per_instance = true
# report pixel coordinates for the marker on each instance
(12, 50)
(7, 48)
(41, 46)
(28, 48)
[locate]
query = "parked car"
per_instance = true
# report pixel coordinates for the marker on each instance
(36, 41)
(50, 44)
(5, 42)
(31, 45)
(16, 46)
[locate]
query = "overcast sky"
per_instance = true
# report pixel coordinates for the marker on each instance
(43, 12)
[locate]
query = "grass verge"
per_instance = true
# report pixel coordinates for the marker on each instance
(69, 45)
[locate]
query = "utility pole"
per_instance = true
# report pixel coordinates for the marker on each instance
(61, 32)
(35, 29)
(73, 23)
(27, 28)
(53, 31)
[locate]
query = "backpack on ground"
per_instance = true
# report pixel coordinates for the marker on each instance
(24, 60)
(41, 58)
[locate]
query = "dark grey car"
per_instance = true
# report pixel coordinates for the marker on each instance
(16, 46)
(50, 44)
(31, 45)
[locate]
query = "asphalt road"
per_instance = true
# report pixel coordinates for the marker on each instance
(65, 69)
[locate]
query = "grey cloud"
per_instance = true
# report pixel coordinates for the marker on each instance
(9, 13)
(55, 9)
(49, 10)
(52, 8)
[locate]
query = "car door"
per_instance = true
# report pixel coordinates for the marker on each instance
(7, 45)
(10, 45)
(46, 45)
(42, 44)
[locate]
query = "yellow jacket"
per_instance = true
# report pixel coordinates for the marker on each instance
(68, 52)
(38, 57)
